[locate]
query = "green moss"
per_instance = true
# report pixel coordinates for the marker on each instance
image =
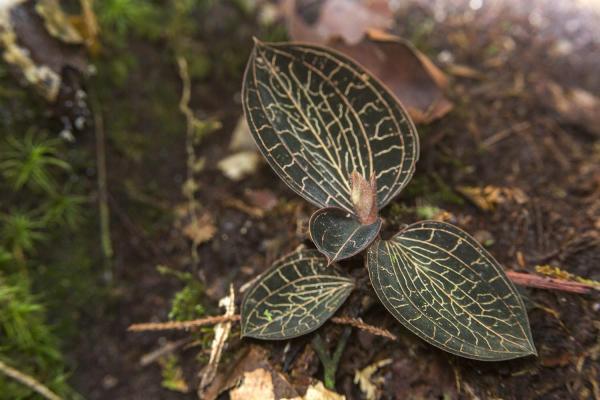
(431, 189)
(27, 342)
(120, 18)
(40, 210)
(427, 211)
(172, 374)
(187, 302)
(30, 160)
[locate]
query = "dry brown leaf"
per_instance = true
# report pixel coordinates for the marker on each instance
(575, 106)
(320, 22)
(364, 379)
(251, 375)
(200, 231)
(355, 29)
(256, 385)
(488, 197)
(317, 391)
(407, 72)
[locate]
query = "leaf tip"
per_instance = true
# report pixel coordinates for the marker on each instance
(532, 351)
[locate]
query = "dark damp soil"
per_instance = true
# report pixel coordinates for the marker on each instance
(500, 133)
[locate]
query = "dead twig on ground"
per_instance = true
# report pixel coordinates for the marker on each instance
(358, 323)
(164, 350)
(103, 209)
(182, 325)
(505, 133)
(542, 282)
(222, 330)
(190, 186)
(187, 325)
(28, 381)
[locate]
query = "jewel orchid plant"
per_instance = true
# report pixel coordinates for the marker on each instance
(337, 137)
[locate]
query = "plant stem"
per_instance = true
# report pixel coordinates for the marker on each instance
(103, 210)
(330, 362)
(190, 186)
(28, 381)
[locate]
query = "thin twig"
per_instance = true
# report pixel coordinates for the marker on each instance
(543, 282)
(359, 324)
(182, 325)
(164, 350)
(28, 381)
(222, 331)
(103, 209)
(503, 134)
(190, 188)
(187, 325)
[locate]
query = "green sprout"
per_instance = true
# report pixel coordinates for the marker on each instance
(30, 162)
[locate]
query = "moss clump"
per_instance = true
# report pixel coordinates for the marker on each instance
(41, 205)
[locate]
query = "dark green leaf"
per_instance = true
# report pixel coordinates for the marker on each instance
(317, 117)
(443, 286)
(339, 234)
(296, 296)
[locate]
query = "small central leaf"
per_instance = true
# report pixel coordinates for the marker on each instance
(443, 286)
(364, 198)
(296, 296)
(339, 235)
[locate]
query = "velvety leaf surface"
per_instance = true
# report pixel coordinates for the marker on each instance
(443, 286)
(317, 117)
(296, 296)
(339, 234)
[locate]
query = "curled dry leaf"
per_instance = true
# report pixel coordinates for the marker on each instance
(408, 73)
(320, 22)
(356, 29)
(251, 376)
(259, 385)
(256, 385)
